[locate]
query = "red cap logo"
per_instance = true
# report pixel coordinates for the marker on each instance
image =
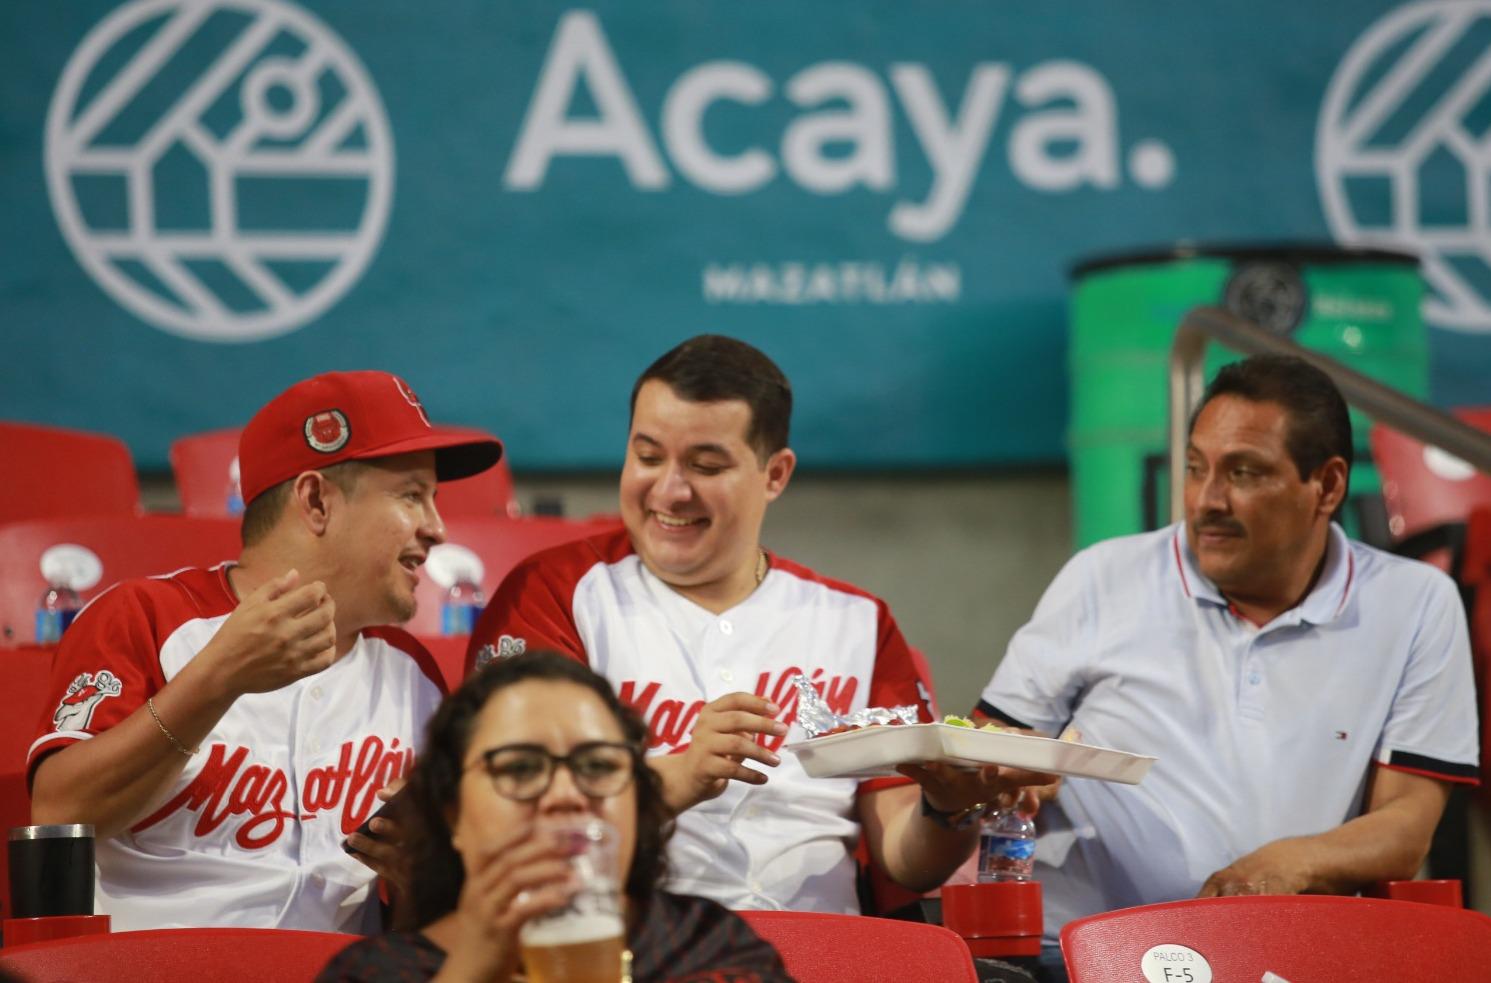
(412, 399)
(327, 432)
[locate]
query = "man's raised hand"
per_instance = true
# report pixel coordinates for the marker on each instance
(279, 633)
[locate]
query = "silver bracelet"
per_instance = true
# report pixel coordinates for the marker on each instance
(150, 705)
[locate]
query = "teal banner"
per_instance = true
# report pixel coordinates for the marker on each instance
(518, 205)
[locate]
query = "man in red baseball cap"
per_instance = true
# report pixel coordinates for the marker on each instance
(349, 416)
(253, 711)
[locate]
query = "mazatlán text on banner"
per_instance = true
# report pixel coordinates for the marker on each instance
(512, 205)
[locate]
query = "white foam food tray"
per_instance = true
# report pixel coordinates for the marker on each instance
(873, 752)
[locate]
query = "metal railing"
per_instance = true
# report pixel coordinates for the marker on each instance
(1404, 414)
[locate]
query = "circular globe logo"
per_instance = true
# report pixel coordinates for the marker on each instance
(1403, 150)
(222, 168)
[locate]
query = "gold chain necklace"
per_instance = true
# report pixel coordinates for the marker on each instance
(761, 566)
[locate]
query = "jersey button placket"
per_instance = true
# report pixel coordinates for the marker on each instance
(310, 745)
(720, 652)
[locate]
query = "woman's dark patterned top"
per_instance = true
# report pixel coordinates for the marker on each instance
(679, 939)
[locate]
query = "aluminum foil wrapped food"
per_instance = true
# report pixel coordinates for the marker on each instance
(818, 719)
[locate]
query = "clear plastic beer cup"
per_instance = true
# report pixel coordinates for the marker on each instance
(585, 941)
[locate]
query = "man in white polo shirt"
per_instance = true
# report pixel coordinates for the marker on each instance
(701, 630)
(1309, 698)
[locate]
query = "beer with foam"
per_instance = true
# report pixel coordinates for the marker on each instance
(584, 941)
(583, 948)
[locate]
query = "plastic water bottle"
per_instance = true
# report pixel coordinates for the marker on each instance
(58, 606)
(1006, 847)
(235, 488)
(463, 602)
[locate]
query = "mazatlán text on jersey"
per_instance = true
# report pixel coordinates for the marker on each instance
(225, 788)
(671, 722)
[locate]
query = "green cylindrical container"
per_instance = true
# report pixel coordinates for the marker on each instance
(1360, 307)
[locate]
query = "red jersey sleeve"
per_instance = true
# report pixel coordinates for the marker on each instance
(418, 652)
(107, 664)
(901, 678)
(533, 609)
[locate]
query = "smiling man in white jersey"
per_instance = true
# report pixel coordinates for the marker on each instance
(701, 629)
(240, 721)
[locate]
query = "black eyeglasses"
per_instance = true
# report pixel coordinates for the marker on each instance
(524, 772)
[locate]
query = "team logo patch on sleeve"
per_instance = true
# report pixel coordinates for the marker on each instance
(83, 696)
(506, 646)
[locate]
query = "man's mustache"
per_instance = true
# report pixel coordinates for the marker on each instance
(1219, 524)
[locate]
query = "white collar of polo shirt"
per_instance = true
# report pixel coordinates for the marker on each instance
(1321, 606)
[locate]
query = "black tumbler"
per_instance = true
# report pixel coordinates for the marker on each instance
(51, 871)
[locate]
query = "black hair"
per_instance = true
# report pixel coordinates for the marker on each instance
(712, 368)
(1319, 424)
(435, 868)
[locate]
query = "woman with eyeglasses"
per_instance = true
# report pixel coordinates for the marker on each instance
(527, 743)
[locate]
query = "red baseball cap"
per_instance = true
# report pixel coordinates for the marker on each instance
(350, 416)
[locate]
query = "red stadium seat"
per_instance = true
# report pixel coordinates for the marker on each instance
(205, 466)
(124, 547)
(449, 654)
(500, 544)
(1439, 510)
(178, 955)
(1428, 493)
(822, 948)
(1303, 939)
(1475, 580)
(1443, 891)
(49, 471)
(487, 494)
(22, 698)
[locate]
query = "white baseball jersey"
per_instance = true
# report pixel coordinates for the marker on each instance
(250, 834)
(786, 844)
